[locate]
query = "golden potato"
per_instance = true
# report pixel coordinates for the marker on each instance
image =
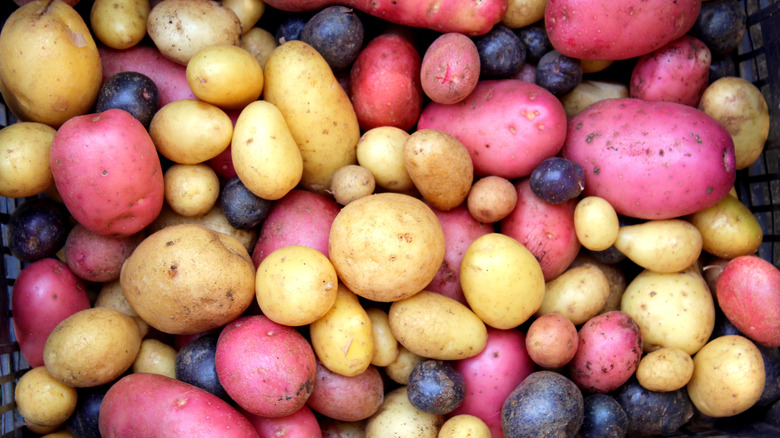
(352, 182)
(665, 369)
(464, 426)
(24, 159)
(594, 65)
(521, 13)
(119, 24)
(226, 76)
(385, 343)
(381, 150)
(728, 229)
(668, 245)
(260, 43)
(43, 400)
(156, 357)
(579, 294)
(588, 92)
(191, 189)
(248, 12)
(596, 223)
(215, 220)
(397, 417)
(491, 199)
(615, 277)
(111, 296)
(188, 131)
(399, 369)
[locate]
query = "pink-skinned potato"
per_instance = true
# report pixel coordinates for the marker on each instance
(450, 68)
(651, 160)
(347, 398)
(507, 125)
(300, 424)
(95, 257)
(145, 404)
(108, 173)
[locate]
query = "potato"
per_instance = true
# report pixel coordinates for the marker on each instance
(92, 347)
(119, 24)
(491, 199)
(156, 357)
(450, 68)
(347, 398)
(191, 189)
(24, 159)
(215, 220)
(95, 257)
(663, 245)
(400, 368)
(728, 229)
(300, 424)
(397, 417)
(111, 296)
(579, 294)
(181, 28)
(614, 274)
(521, 13)
(189, 131)
(260, 43)
(502, 281)
(352, 182)
(596, 223)
(464, 426)
(248, 12)
(50, 69)
(43, 400)
(437, 327)
(186, 279)
(665, 369)
(386, 247)
(552, 340)
(380, 150)
(439, 166)
(588, 92)
(385, 343)
(521, 414)
(225, 75)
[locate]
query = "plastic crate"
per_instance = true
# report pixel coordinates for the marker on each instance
(757, 60)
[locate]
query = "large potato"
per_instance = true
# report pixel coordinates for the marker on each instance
(50, 68)
(187, 279)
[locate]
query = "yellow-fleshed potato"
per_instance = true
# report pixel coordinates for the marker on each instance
(502, 280)
(181, 28)
(352, 182)
(265, 155)
(92, 347)
(24, 159)
(464, 426)
(226, 76)
(119, 24)
(260, 43)
(741, 108)
(589, 92)
(187, 279)
(668, 245)
(596, 223)
(521, 13)
(316, 108)
(381, 150)
(342, 339)
(674, 310)
(387, 246)
(579, 293)
(191, 189)
(491, 199)
(248, 12)
(111, 296)
(435, 326)
(728, 229)
(155, 357)
(440, 167)
(728, 376)
(665, 369)
(188, 131)
(42, 399)
(385, 343)
(296, 285)
(397, 417)
(215, 220)
(399, 370)
(50, 68)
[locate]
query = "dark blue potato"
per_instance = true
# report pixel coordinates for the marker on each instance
(558, 73)
(336, 32)
(243, 209)
(83, 423)
(603, 418)
(545, 404)
(773, 415)
(195, 364)
(721, 24)
(771, 356)
(720, 68)
(37, 229)
(556, 180)
(290, 28)
(610, 256)
(651, 412)
(501, 53)
(537, 44)
(435, 387)
(130, 91)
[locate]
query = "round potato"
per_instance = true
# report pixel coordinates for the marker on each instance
(188, 131)
(552, 340)
(119, 24)
(225, 75)
(491, 199)
(450, 68)
(248, 12)
(42, 399)
(24, 159)
(398, 417)
(381, 150)
(352, 182)
(578, 294)
(155, 357)
(665, 369)
(191, 189)
(521, 13)
(260, 43)
(464, 426)
(187, 279)
(387, 246)
(596, 223)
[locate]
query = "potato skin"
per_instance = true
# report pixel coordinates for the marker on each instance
(346, 398)
(24, 159)
(450, 68)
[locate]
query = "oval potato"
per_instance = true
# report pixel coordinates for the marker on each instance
(43, 400)
(398, 417)
(225, 75)
(189, 131)
(24, 159)
(664, 245)
(119, 24)
(579, 294)
(665, 369)
(380, 150)
(385, 343)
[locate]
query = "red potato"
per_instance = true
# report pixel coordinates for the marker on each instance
(300, 424)
(45, 293)
(384, 83)
(552, 340)
(450, 68)
(547, 230)
(677, 72)
(508, 126)
(492, 374)
(144, 404)
(464, 16)
(108, 173)
(97, 258)
(605, 30)
(609, 350)
(346, 398)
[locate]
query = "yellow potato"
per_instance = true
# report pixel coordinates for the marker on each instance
(342, 339)
(588, 92)
(596, 223)
(615, 277)
(265, 155)
(191, 189)
(60, 433)
(215, 220)
(43, 400)
(400, 369)
(50, 68)
(521, 13)
(502, 281)
(386, 246)
(111, 296)
(464, 426)
(728, 229)
(385, 344)
(249, 12)
(92, 347)
(24, 159)
(398, 418)
(37, 428)
(352, 182)
(728, 376)
(156, 357)
(188, 131)
(594, 65)
(119, 24)
(665, 369)
(260, 43)
(381, 150)
(668, 245)
(432, 325)
(491, 199)
(316, 108)
(579, 293)
(226, 76)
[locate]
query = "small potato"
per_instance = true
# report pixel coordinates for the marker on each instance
(521, 13)
(42, 399)
(111, 296)
(665, 369)
(615, 277)
(385, 344)
(156, 357)
(343, 398)
(491, 199)
(397, 417)
(191, 189)
(596, 223)
(119, 24)
(399, 369)
(380, 150)
(260, 43)
(248, 12)
(440, 167)
(188, 131)
(588, 92)
(728, 229)
(24, 159)
(464, 426)
(95, 257)
(552, 340)
(352, 182)
(578, 294)
(226, 76)
(594, 65)
(450, 68)
(663, 245)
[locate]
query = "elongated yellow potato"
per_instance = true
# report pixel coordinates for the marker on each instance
(666, 245)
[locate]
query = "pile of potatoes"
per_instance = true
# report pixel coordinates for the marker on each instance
(393, 203)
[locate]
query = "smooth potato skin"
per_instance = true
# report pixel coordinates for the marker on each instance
(450, 68)
(144, 404)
